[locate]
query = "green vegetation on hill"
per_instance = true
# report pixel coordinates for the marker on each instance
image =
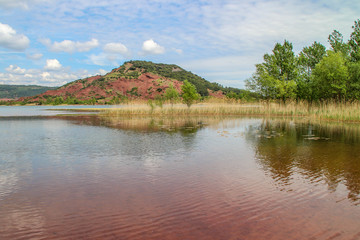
(17, 91)
(173, 71)
(125, 83)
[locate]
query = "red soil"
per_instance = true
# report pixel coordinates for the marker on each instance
(146, 86)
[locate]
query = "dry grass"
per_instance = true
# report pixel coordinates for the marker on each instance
(349, 112)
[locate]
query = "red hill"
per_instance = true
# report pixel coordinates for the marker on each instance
(134, 79)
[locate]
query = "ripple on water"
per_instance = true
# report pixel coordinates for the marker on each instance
(134, 185)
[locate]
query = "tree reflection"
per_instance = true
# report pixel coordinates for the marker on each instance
(317, 152)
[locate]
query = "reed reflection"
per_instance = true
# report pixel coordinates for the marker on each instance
(148, 138)
(321, 153)
(186, 125)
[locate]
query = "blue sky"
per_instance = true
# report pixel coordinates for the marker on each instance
(52, 42)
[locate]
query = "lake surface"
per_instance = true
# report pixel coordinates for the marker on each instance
(26, 111)
(83, 177)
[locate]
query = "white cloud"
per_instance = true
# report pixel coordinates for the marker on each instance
(101, 72)
(45, 75)
(201, 29)
(52, 65)
(116, 48)
(105, 59)
(100, 59)
(12, 40)
(70, 46)
(150, 47)
(15, 69)
(35, 56)
(23, 4)
(258, 25)
(178, 51)
(18, 75)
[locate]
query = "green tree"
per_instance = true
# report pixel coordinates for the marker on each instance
(354, 42)
(337, 44)
(232, 95)
(58, 100)
(331, 77)
(262, 82)
(171, 94)
(284, 61)
(159, 100)
(308, 58)
(92, 101)
(354, 78)
(189, 93)
(275, 78)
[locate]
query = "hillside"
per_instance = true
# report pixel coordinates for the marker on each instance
(134, 79)
(17, 91)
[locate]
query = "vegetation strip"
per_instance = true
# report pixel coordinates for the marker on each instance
(342, 112)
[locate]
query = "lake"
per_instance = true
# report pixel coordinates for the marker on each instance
(85, 177)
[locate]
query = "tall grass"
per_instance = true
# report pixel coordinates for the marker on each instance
(325, 111)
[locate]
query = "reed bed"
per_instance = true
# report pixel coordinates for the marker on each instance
(349, 112)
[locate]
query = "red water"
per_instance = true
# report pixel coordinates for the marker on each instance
(211, 186)
(197, 206)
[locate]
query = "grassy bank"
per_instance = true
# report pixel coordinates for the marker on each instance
(349, 112)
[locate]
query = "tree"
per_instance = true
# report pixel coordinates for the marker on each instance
(171, 94)
(354, 78)
(275, 78)
(331, 77)
(337, 44)
(58, 100)
(189, 93)
(308, 58)
(354, 42)
(262, 82)
(284, 61)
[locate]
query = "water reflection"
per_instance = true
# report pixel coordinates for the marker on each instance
(319, 152)
(85, 177)
(185, 125)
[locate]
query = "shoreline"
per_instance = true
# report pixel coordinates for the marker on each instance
(333, 112)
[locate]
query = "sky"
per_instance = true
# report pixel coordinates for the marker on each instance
(52, 42)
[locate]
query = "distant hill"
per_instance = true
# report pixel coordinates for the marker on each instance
(134, 79)
(17, 91)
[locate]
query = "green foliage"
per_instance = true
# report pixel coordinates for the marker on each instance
(132, 75)
(151, 104)
(307, 60)
(309, 57)
(175, 72)
(171, 94)
(353, 92)
(354, 42)
(58, 100)
(133, 92)
(331, 76)
(17, 91)
(282, 63)
(189, 93)
(115, 100)
(275, 78)
(159, 101)
(262, 82)
(313, 75)
(337, 44)
(232, 95)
